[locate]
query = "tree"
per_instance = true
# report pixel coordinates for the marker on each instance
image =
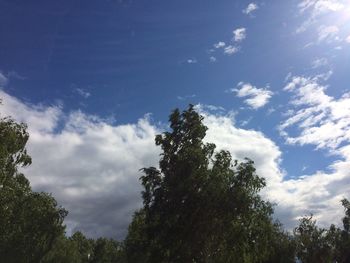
(64, 251)
(30, 221)
(343, 240)
(84, 246)
(315, 244)
(107, 251)
(282, 246)
(199, 206)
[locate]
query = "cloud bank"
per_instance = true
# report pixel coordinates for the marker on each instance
(92, 166)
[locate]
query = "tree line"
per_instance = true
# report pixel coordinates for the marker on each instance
(199, 206)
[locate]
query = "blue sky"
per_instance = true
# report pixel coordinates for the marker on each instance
(96, 80)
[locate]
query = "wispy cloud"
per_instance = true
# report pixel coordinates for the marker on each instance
(212, 59)
(316, 118)
(15, 75)
(3, 79)
(250, 8)
(220, 44)
(230, 50)
(318, 7)
(239, 34)
(323, 15)
(319, 62)
(246, 121)
(322, 119)
(255, 97)
(328, 33)
(209, 108)
(186, 97)
(191, 61)
(348, 39)
(82, 92)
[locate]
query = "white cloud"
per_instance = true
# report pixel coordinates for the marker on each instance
(255, 97)
(3, 80)
(91, 166)
(328, 33)
(318, 7)
(318, 13)
(323, 120)
(250, 8)
(239, 34)
(230, 50)
(318, 193)
(219, 44)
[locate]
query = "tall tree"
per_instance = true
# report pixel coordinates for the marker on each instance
(85, 246)
(199, 206)
(30, 222)
(343, 240)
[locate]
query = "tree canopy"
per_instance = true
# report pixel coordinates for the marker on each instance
(200, 205)
(30, 221)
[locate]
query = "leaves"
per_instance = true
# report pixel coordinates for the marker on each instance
(199, 206)
(30, 222)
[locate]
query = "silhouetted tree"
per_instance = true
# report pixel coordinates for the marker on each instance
(199, 206)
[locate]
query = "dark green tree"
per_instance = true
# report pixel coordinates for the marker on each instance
(199, 206)
(63, 251)
(107, 251)
(84, 245)
(315, 244)
(282, 246)
(30, 222)
(342, 240)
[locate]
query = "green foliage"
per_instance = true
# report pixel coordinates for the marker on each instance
(13, 154)
(79, 249)
(343, 240)
(199, 206)
(316, 244)
(29, 221)
(136, 242)
(312, 242)
(282, 246)
(107, 251)
(84, 246)
(64, 251)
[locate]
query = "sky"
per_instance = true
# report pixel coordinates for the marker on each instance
(96, 80)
